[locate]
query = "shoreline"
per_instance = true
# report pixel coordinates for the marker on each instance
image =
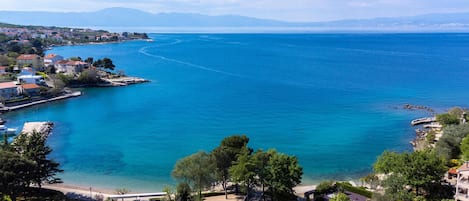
(85, 192)
(30, 104)
(51, 47)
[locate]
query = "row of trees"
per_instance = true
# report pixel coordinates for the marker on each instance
(233, 161)
(24, 163)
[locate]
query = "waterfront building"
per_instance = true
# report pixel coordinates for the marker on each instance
(462, 183)
(32, 60)
(9, 90)
(52, 59)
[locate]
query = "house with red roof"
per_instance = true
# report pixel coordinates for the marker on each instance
(30, 89)
(9, 90)
(70, 67)
(52, 59)
(32, 60)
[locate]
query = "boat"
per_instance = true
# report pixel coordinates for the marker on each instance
(2, 121)
(7, 131)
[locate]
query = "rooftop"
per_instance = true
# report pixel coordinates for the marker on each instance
(27, 57)
(30, 86)
(6, 85)
(50, 56)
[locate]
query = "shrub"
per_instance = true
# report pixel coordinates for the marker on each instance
(447, 119)
(358, 190)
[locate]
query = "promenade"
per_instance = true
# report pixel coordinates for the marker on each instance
(16, 107)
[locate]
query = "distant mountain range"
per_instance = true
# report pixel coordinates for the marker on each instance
(125, 17)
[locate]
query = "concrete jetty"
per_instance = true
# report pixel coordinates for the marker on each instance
(425, 120)
(123, 81)
(44, 128)
(17, 107)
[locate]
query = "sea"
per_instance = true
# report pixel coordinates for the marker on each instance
(336, 101)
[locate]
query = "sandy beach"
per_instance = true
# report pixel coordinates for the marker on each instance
(87, 192)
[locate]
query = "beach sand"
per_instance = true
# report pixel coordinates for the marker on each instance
(78, 191)
(85, 192)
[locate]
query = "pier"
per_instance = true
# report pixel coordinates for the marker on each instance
(425, 120)
(17, 107)
(44, 128)
(123, 81)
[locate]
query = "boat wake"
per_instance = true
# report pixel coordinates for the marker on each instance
(145, 52)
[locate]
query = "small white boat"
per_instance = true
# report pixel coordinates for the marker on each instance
(8, 131)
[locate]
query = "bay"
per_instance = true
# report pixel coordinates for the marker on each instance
(333, 100)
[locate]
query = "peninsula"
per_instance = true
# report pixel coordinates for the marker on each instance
(29, 77)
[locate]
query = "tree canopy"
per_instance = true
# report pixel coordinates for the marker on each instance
(24, 163)
(196, 170)
(105, 63)
(226, 154)
(449, 144)
(33, 147)
(420, 170)
(234, 161)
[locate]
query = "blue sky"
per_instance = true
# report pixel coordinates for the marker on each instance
(287, 10)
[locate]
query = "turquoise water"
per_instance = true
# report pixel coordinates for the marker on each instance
(333, 100)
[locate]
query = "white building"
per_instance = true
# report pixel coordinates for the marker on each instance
(70, 67)
(52, 59)
(462, 183)
(30, 79)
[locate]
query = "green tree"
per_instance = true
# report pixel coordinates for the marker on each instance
(183, 192)
(465, 148)
(75, 58)
(89, 76)
(34, 148)
(105, 63)
(197, 169)
(261, 159)
(340, 197)
(448, 146)
(89, 60)
(15, 173)
(169, 192)
(447, 119)
(420, 170)
(227, 153)
(243, 171)
(285, 173)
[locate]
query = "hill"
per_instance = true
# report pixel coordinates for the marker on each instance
(125, 17)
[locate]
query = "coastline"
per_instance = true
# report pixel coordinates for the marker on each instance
(76, 191)
(25, 105)
(51, 47)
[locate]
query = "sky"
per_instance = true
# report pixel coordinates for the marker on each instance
(285, 10)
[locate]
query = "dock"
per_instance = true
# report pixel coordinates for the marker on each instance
(425, 120)
(44, 128)
(123, 81)
(17, 107)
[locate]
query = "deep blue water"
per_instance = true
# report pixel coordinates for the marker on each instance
(333, 100)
